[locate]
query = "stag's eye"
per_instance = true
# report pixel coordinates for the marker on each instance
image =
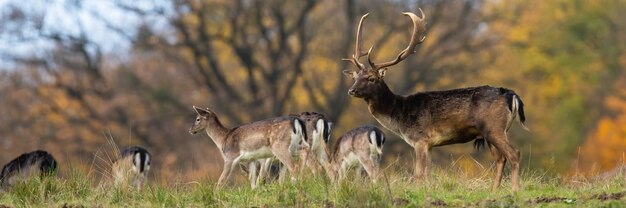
(197, 119)
(371, 79)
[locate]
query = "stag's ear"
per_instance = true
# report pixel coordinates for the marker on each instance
(382, 72)
(201, 111)
(349, 73)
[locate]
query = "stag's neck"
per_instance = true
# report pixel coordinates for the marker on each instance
(384, 106)
(217, 132)
(384, 101)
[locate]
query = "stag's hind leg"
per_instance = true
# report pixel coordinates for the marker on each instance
(500, 161)
(511, 154)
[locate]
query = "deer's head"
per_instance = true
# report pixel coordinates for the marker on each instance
(369, 78)
(202, 120)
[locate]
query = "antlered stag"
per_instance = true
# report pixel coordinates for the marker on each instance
(429, 119)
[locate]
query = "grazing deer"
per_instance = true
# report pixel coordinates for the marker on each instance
(27, 165)
(282, 137)
(318, 135)
(429, 119)
(132, 167)
(362, 147)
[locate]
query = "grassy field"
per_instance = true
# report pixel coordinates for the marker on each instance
(443, 188)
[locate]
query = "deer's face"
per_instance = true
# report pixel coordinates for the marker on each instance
(202, 120)
(366, 82)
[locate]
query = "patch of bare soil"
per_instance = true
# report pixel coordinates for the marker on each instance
(4, 206)
(439, 203)
(547, 199)
(611, 196)
(485, 202)
(72, 206)
(400, 202)
(329, 204)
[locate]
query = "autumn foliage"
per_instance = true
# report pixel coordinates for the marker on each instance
(74, 74)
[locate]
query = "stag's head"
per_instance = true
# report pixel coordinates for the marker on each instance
(368, 79)
(202, 120)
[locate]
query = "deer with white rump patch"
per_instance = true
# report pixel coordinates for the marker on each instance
(282, 137)
(318, 135)
(361, 147)
(436, 118)
(132, 167)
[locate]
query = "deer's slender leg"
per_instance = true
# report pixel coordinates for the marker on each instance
(343, 172)
(282, 172)
(308, 160)
(284, 156)
(225, 173)
(265, 165)
(329, 169)
(500, 141)
(253, 173)
(515, 171)
(500, 161)
(422, 160)
(370, 167)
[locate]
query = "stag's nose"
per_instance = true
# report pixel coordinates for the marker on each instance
(351, 91)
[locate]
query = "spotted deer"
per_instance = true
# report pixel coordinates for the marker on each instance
(38, 163)
(318, 135)
(360, 147)
(131, 168)
(282, 137)
(436, 118)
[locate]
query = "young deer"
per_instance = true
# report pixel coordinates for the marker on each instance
(361, 147)
(27, 165)
(132, 167)
(282, 137)
(318, 135)
(429, 119)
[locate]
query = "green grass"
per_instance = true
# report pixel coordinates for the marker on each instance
(442, 188)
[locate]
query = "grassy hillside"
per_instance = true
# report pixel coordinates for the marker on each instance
(444, 188)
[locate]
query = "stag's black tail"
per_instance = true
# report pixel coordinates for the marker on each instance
(516, 106)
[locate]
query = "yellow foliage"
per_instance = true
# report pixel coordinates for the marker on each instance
(605, 148)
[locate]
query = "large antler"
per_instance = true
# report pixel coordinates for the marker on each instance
(358, 45)
(418, 36)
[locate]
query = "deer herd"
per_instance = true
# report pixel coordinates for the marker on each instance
(289, 144)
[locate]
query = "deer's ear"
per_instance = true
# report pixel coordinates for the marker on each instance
(349, 73)
(382, 72)
(201, 111)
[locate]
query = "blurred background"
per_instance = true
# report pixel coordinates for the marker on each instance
(75, 74)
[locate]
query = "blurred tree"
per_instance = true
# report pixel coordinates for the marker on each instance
(605, 147)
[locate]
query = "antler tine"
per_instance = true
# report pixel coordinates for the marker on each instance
(358, 45)
(418, 36)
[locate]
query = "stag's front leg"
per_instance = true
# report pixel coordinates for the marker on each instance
(422, 160)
